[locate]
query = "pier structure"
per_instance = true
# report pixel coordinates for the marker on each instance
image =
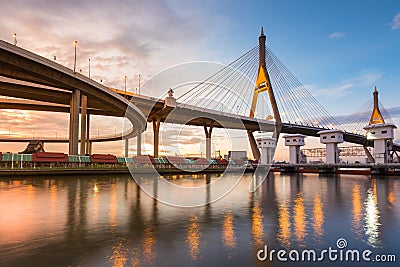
(331, 138)
(294, 142)
(267, 146)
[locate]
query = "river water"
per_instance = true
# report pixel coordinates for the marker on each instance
(108, 221)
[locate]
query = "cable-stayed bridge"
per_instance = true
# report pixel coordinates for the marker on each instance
(230, 98)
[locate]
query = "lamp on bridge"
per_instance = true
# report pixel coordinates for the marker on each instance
(75, 43)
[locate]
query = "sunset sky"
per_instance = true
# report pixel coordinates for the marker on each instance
(338, 49)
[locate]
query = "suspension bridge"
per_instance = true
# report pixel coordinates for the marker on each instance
(230, 98)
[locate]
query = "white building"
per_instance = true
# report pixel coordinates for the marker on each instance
(331, 138)
(294, 142)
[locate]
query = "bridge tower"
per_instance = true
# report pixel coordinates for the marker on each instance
(263, 84)
(380, 133)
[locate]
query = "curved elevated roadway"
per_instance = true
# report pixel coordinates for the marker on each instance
(34, 78)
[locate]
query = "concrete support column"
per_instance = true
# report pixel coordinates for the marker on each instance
(382, 134)
(126, 147)
(74, 122)
(89, 149)
(83, 124)
(267, 150)
(253, 145)
(294, 142)
(139, 144)
(156, 135)
(208, 132)
(331, 138)
(87, 134)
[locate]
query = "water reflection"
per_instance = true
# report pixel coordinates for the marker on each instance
(113, 206)
(128, 228)
(149, 243)
(372, 216)
(193, 238)
(53, 203)
(390, 196)
(284, 231)
(228, 231)
(318, 218)
(357, 209)
(95, 203)
(257, 226)
(119, 256)
(299, 219)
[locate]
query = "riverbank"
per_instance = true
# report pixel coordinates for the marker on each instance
(108, 171)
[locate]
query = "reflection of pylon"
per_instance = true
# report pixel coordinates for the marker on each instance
(263, 83)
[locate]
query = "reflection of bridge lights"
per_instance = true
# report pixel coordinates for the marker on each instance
(95, 188)
(149, 243)
(228, 231)
(113, 206)
(257, 227)
(299, 217)
(357, 208)
(372, 217)
(284, 225)
(119, 256)
(193, 238)
(318, 216)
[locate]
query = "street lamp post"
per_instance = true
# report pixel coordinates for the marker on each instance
(75, 44)
(15, 38)
(89, 68)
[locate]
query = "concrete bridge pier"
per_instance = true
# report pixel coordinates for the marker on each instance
(88, 144)
(139, 144)
(74, 122)
(84, 125)
(294, 142)
(208, 132)
(126, 147)
(331, 138)
(267, 147)
(156, 135)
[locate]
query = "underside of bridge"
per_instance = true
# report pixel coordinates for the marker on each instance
(34, 78)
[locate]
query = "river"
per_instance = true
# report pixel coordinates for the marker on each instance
(109, 221)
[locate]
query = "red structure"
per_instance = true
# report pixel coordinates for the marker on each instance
(144, 160)
(176, 160)
(103, 158)
(49, 157)
(202, 161)
(222, 162)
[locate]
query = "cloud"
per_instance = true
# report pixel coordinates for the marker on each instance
(395, 22)
(366, 79)
(121, 37)
(336, 35)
